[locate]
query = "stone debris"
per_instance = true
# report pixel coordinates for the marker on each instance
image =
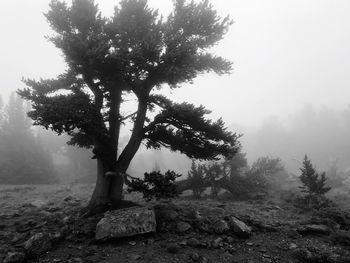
(126, 222)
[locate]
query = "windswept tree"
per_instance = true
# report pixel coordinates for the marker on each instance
(136, 52)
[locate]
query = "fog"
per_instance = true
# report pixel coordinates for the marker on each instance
(288, 93)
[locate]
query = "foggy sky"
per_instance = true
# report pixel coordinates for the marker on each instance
(285, 54)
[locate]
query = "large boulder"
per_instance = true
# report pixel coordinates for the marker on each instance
(126, 222)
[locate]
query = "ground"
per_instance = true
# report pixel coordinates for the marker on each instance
(276, 236)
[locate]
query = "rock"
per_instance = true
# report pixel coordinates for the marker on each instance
(217, 242)
(183, 227)
(203, 260)
(239, 228)
(194, 256)
(221, 227)
(314, 229)
(38, 244)
(193, 242)
(15, 257)
(38, 203)
(126, 222)
(293, 246)
(173, 248)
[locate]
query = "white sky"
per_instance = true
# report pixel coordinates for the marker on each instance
(285, 53)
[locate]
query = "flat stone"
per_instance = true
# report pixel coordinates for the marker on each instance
(239, 228)
(126, 222)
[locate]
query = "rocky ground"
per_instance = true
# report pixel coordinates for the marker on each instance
(39, 224)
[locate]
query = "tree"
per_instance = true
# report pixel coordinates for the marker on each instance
(313, 183)
(134, 52)
(195, 180)
(22, 158)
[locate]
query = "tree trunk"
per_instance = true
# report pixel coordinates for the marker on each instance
(100, 199)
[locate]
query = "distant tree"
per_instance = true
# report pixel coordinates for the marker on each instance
(244, 182)
(313, 184)
(134, 53)
(23, 160)
(196, 179)
(214, 172)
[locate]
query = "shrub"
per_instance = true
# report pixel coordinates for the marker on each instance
(155, 185)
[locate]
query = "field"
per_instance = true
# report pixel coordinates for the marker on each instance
(280, 231)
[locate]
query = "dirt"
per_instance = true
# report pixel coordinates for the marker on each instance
(28, 210)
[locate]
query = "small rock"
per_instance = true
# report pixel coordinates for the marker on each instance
(38, 203)
(136, 257)
(173, 248)
(221, 227)
(183, 227)
(194, 256)
(203, 260)
(239, 228)
(132, 243)
(38, 244)
(217, 242)
(15, 257)
(230, 239)
(183, 243)
(68, 199)
(66, 219)
(193, 242)
(293, 246)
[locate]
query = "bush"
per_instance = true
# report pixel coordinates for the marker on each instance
(155, 185)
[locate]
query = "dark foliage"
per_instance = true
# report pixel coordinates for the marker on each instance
(155, 185)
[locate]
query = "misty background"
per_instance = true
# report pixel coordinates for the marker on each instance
(288, 95)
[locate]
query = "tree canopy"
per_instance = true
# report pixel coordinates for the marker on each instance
(136, 51)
